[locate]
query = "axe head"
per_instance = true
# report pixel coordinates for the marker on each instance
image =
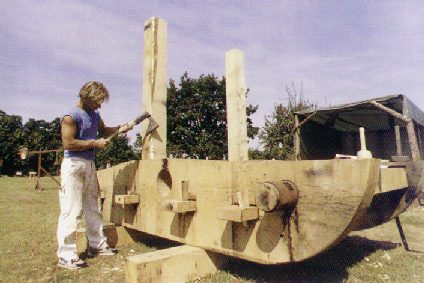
(152, 126)
(140, 118)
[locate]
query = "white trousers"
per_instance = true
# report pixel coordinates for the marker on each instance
(78, 196)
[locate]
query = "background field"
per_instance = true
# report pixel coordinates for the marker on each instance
(28, 248)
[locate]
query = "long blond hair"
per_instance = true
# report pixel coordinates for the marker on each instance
(94, 91)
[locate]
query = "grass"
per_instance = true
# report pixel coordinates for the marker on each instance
(28, 247)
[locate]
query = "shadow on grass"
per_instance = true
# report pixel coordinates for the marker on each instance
(330, 266)
(150, 241)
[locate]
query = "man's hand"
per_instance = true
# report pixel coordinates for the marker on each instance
(102, 143)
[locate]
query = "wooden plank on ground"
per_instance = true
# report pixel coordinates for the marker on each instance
(116, 236)
(176, 264)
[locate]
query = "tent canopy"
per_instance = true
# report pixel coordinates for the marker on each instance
(335, 129)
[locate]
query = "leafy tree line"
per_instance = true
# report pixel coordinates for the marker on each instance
(197, 118)
(38, 135)
(34, 135)
(276, 136)
(197, 128)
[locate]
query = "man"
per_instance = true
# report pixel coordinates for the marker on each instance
(79, 190)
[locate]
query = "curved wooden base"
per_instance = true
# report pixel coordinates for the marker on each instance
(335, 197)
(386, 206)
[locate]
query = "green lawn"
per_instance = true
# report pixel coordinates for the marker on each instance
(28, 247)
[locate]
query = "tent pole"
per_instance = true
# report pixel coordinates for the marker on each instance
(398, 141)
(296, 140)
(413, 144)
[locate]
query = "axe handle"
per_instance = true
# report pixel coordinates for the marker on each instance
(120, 130)
(130, 124)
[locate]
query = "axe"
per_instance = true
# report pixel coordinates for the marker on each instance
(146, 115)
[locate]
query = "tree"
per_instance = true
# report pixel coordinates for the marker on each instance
(197, 118)
(118, 151)
(256, 154)
(277, 135)
(34, 135)
(42, 135)
(10, 138)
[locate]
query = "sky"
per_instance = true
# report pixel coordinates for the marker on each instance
(338, 51)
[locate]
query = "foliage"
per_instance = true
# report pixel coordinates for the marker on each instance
(11, 137)
(41, 135)
(197, 118)
(256, 154)
(197, 128)
(277, 135)
(33, 135)
(118, 151)
(138, 145)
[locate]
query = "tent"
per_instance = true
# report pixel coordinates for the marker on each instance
(394, 126)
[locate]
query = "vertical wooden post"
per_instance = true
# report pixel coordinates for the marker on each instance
(296, 139)
(184, 190)
(398, 141)
(37, 186)
(413, 144)
(154, 86)
(236, 106)
(420, 142)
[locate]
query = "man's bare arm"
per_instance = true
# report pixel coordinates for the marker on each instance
(69, 140)
(107, 131)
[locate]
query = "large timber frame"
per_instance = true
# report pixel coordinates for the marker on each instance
(267, 211)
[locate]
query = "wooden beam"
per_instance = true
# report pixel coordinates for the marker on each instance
(154, 87)
(180, 206)
(390, 111)
(413, 144)
(116, 236)
(235, 213)
(127, 199)
(236, 106)
(298, 125)
(48, 174)
(37, 185)
(398, 141)
(176, 264)
(296, 139)
(184, 191)
(415, 152)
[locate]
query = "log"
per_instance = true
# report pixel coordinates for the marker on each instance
(269, 237)
(117, 236)
(177, 264)
(236, 106)
(413, 143)
(154, 87)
